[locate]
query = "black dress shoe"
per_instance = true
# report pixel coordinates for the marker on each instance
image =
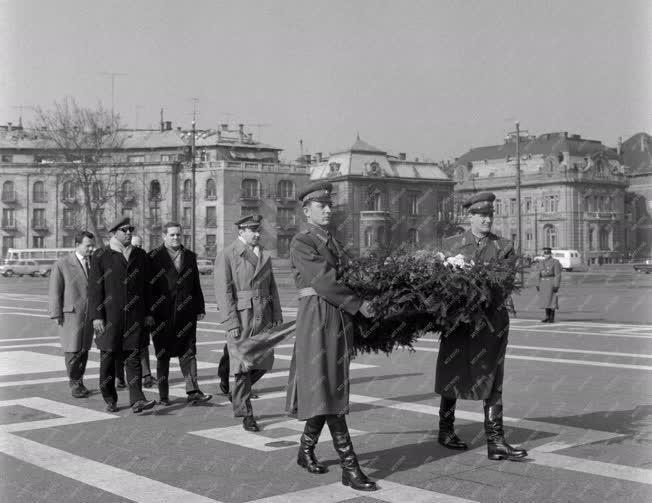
(148, 381)
(142, 405)
(224, 388)
(253, 395)
(111, 407)
(198, 397)
(121, 385)
(250, 424)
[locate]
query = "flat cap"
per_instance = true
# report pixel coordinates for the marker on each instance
(482, 201)
(249, 221)
(320, 191)
(119, 222)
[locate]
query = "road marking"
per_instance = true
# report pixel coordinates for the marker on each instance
(30, 362)
(24, 308)
(30, 339)
(259, 441)
(37, 345)
(598, 334)
(567, 361)
(33, 315)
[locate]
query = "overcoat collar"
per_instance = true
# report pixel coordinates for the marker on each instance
(76, 265)
(323, 238)
(245, 251)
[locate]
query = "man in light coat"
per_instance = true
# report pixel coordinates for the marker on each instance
(548, 282)
(67, 303)
(248, 304)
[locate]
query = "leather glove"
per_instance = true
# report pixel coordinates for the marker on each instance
(98, 326)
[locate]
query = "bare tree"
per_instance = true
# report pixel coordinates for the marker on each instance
(81, 141)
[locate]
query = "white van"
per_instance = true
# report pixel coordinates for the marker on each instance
(569, 259)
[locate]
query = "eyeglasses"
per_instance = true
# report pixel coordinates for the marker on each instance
(129, 228)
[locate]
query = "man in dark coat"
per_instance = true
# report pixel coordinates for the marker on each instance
(248, 304)
(549, 280)
(119, 303)
(318, 387)
(471, 358)
(178, 305)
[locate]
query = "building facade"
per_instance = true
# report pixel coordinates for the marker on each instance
(383, 200)
(572, 193)
(149, 178)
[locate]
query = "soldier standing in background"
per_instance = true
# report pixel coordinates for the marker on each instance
(549, 280)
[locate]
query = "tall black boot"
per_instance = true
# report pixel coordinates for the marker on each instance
(552, 316)
(547, 318)
(352, 475)
(497, 448)
(306, 457)
(447, 436)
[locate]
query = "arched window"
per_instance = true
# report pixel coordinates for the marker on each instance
(609, 205)
(368, 237)
(381, 235)
(97, 191)
(374, 201)
(154, 190)
(8, 193)
(285, 189)
(127, 189)
(604, 238)
(413, 236)
(69, 189)
(38, 192)
(591, 238)
(187, 190)
(211, 189)
(250, 188)
(550, 233)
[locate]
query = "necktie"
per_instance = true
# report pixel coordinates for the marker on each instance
(86, 266)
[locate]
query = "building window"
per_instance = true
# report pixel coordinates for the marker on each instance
(528, 204)
(374, 202)
(609, 204)
(413, 203)
(250, 188)
(498, 207)
(7, 158)
(283, 246)
(551, 204)
(97, 192)
(69, 189)
(99, 218)
(7, 242)
(368, 237)
(380, 237)
(248, 210)
(187, 190)
(211, 245)
(8, 218)
(512, 207)
(8, 193)
(211, 216)
(38, 218)
(154, 190)
(591, 238)
(68, 241)
(285, 189)
(154, 216)
(413, 236)
(68, 218)
(604, 238)
(38, 242)
(211, 189)
(286, 217)
(528, 240)
(165, 158)
(127, 189)
(187, 241)
(38, 192)
(550, 236)
(187, 217)
(136, 158)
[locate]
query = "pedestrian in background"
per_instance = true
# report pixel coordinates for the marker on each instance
(548, 283)
(68, 304)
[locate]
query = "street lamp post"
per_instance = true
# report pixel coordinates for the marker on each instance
(518, 193)
(193, 167)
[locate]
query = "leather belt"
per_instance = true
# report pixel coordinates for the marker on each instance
(307, 292)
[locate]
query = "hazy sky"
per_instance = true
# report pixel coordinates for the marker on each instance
(431, 78)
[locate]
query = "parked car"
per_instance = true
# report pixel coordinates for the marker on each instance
(645, 266)
(205, 266)
(23, 267)
(569, 259)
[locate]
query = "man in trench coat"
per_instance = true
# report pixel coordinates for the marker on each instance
(471, 358)
(178, 305)
(120, 305)
(318, 386)
(548, 282)
(248, 304)
(68, 304)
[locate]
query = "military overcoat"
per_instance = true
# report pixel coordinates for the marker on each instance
(319, 371)
(549, 279)
(471, 358)
(247, 297)
(177, 301)
(120, 293)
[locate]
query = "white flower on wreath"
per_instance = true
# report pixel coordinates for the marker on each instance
(460, 261)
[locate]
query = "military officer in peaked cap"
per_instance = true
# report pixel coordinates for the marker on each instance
(470, 363)
(248, 304)
(318, 387)
(549, 280)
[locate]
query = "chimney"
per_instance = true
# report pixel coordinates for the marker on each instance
(225, 127)
(162, 123)
(318, 156)
(250, 137)
(402, 156)
(168, 125)
(9, 127)
(241, 131)
(219, 136)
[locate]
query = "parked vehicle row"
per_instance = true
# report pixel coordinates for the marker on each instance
(23, 268)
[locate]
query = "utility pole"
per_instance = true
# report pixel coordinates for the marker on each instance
(193, 167)
(113, 75)
(519, 222)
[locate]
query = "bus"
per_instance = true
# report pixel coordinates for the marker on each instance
(43, 256)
